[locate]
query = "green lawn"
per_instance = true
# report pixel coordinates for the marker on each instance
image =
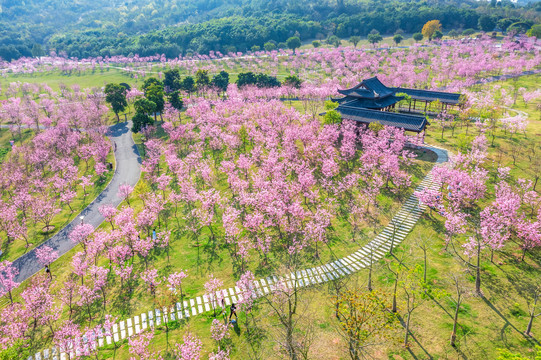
(487, 323)
(36, 235)
(87, 79)
(202, 257)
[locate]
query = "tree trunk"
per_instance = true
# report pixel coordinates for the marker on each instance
(353, 350)
(407, 329)
(532, 314)
(370, 276)
(424, 271)
(289, 340)
(394, 295)
(530, 323)
(478, 271)
(455, 322)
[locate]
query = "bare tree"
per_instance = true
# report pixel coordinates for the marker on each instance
(534, 293)
(396, 268)
(370, 267)
(414, 295)
(461, 292)
(295, 325)
(364, 320)
(479, 245)
(424, 243)
(336, 286)
(534, 168)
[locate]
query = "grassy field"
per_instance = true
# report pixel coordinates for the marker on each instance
(100, 77)
(87, 79)
(203, 257)
(487, 323)
(506, 146)
(495, 321)
(36, 234)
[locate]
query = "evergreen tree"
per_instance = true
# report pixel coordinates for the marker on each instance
(115, 95)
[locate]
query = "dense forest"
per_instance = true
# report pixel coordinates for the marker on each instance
(84, 28)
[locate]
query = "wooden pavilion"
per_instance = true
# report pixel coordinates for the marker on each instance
(371, 101)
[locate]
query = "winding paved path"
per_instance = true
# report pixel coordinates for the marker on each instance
(128, 170)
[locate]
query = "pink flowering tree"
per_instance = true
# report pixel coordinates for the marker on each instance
(66, 336)
(46, 255)
(8, 273)
(213, 289)
(219, 355)
(219, 332)
(80, 234)
(151, 278)
(247, 291)
(140, 346)
(108, 212)
(14, 325)
(190, 349)
(124, 192)
(175, 281)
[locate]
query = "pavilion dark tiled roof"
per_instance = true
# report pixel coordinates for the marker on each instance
(374, 89)
(365, 102)
(370, 103)
(406, 122)
(429, 95)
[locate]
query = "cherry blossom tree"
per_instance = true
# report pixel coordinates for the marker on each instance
(8, 273)
(212, 288)
(124, 192)
(175, 282)
(190, 349)
(150, 277)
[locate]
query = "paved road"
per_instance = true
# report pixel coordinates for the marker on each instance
(128, 170)
(508, 76)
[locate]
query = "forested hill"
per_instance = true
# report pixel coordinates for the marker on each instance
(85, 28)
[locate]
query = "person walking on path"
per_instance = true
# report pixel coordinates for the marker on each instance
(48, 271)
(233, 310)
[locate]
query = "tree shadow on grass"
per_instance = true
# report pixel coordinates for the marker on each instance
(210, 249)
(535, 256)
(122, 303)
(430, 221)
(532, 340)
(412, 336)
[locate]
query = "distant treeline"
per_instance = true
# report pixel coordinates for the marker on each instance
(103, 27)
